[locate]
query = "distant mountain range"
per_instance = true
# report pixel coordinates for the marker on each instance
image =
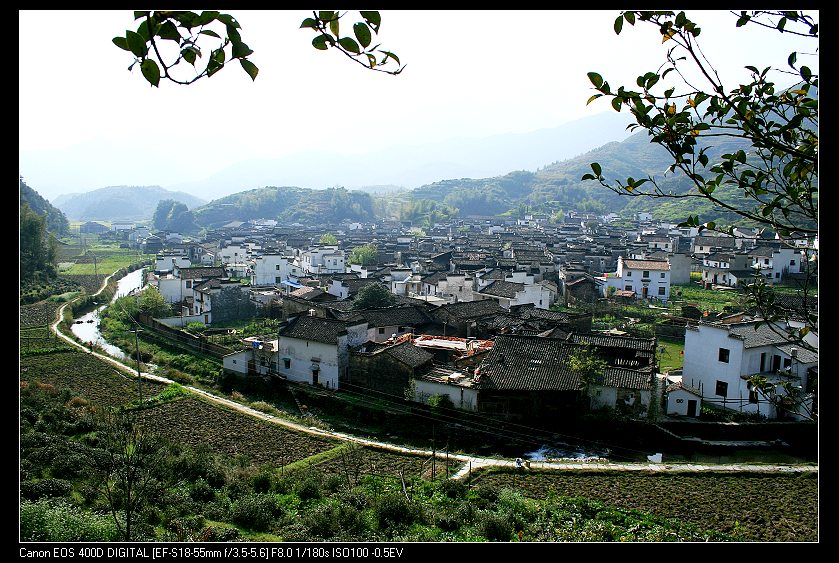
(545, 181)
(119, 203)
(413, 166)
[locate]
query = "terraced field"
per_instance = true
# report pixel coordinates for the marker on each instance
(758, 507)
(362, 461)
(85, 376)
(197, 422)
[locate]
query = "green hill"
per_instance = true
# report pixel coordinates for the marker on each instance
(287, 205)
(56, 221)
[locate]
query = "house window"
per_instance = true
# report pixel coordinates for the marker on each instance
(723, 355)
(189, 284)
(628, 274)
(787, 362)
(278, 266)
(287, 363)
(381, 330)
(792, 262)
(278, 279)
(661, 290)
(661, 275)
(628, 287)
(777, 274)
(645, 275)
(766, 260)
(722, 389)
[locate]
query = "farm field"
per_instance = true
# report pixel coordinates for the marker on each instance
(85, 376)
(374, 461)
(755, 507)
(197, 422)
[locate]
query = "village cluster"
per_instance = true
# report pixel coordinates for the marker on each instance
(472, 318)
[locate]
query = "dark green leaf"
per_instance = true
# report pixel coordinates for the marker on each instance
(206, 17)
(320, 42)
(349, 44)
(333, 27)
(594, 97)
(630, 17)
(211, 33)
(744, 19)
(373, 19)
(143, 29)
(805, 73)
(151, 71)
(240, 50)
(587, 177)
(121, 43)
(362, 33)
(169, 31)
(327, 15)
(213, 66)
(188, 53)
(140, 14)
(596, 167)
(618, 25)
(596, 79)
(616, 103)
(681, 19)
(309, 22)
(228, 21)
(249, 67)
(781, 23)
(136, 44)
(391, 55)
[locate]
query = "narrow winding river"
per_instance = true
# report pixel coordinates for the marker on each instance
(86, 327)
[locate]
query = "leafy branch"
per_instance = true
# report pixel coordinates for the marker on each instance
(327, 25)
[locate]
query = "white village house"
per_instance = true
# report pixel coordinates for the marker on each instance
(646, 279)
(720, 357)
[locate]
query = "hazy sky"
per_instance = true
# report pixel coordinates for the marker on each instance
(468, 74)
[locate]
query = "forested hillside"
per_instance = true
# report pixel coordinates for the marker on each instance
(56, 222)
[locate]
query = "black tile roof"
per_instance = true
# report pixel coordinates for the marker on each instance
(393, 316)
(501, 288)
(469, 310)
(316, 329)
(409, 354)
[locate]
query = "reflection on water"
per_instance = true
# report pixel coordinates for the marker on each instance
(86, 327)
(567, 451)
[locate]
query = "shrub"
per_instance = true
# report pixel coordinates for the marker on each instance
(495, 527)
(56, 520)
(453, 488)
(33, 490)
(393, 510)
(255, 511)
(201, 491)
(308, 489)
(322, 521)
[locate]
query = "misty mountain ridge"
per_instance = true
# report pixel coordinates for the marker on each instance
(407, 167)
(120, 203)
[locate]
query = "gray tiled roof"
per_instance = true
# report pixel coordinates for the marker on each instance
(316, 329)
(532, 363)
(754, 335)
(470, 310)
(409, 354)
(394, 316)
(528, 363)
(200, 273)
(501, 288)
(607, 341)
